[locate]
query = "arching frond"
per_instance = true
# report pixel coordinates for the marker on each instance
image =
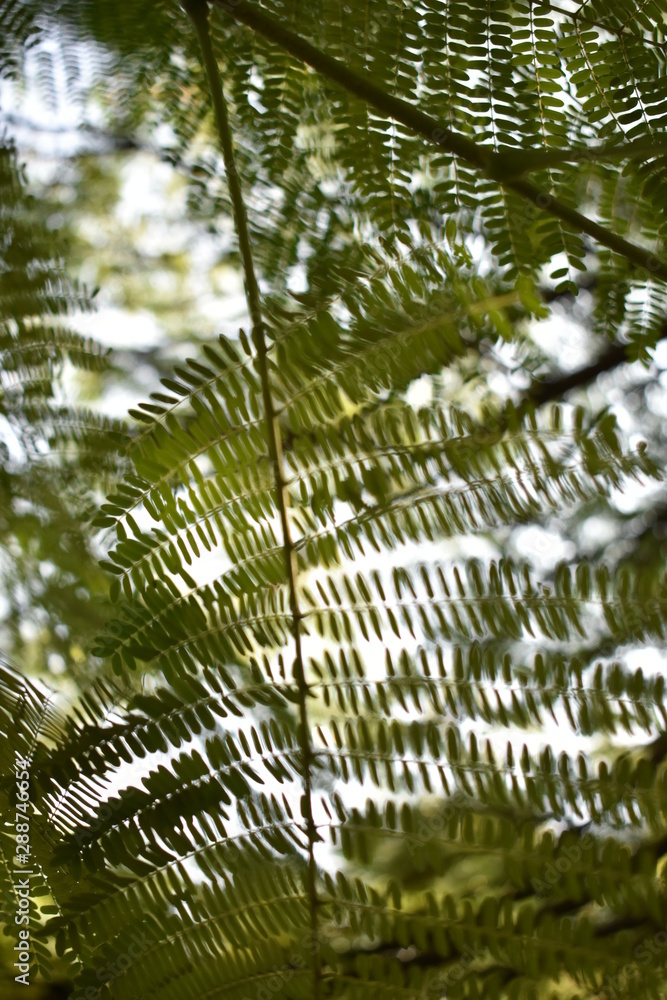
(338, 775)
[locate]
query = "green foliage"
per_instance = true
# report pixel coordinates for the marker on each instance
(54, 455)
(337, 775)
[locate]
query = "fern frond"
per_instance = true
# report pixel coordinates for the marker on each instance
(336, 778)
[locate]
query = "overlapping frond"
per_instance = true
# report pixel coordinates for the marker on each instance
(336, 780)
(34, 290)
(200, 857)
(54, 455)
(568, 98)
(399, 662)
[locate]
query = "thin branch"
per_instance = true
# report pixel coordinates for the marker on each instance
(555, 387)
(198, 13)
(494, 165)
(516, 162)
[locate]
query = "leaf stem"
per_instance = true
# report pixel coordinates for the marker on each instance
(198, 12)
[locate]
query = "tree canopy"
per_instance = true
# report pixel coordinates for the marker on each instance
(359, 617)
